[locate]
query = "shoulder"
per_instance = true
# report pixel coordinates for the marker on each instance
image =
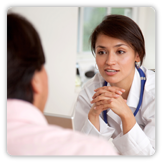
(73, 139)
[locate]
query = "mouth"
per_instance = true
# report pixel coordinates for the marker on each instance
(111, 71)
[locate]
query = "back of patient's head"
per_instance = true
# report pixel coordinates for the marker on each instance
(24, 56)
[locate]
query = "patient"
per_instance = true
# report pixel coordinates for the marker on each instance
(28, 132)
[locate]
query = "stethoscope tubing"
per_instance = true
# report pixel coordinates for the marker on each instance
(143, 80)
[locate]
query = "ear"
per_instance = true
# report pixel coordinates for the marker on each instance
(36, 83)
(137, 57)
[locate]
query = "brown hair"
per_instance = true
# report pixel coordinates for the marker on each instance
(121, 27)
(24, 56)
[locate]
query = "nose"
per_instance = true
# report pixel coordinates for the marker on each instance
(111, 59)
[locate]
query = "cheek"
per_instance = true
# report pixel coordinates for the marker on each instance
(100, 61)
(127, 61)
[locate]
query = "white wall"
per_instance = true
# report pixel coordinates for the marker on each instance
(146, 21)
(57, 27)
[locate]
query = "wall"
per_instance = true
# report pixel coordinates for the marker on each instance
(57, 27)
(146, 21)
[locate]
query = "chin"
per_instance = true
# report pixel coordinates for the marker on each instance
(111, 80)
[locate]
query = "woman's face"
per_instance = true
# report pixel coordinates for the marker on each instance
(115, 59)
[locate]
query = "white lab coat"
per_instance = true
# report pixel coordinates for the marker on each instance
(140, 140)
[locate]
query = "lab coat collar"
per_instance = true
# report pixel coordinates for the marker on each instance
(19, 110)
(133, 97)
(132, 100)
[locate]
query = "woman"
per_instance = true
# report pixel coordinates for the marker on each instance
(108, 106)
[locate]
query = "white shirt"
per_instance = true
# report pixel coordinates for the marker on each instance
(140, 140)
(28, 133)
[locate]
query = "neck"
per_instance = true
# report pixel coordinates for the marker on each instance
(125, 84)
(38, 103)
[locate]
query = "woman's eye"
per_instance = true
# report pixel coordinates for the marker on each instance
(102, 52)
(121, 51)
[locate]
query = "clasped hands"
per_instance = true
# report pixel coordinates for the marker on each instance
(109, 97)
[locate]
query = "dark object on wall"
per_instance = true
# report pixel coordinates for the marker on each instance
(77, 69)
(153, 70)
(89, 74)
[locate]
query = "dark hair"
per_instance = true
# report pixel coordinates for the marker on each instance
(121, 27)
(24, 56)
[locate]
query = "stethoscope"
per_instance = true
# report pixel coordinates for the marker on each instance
(143, 80)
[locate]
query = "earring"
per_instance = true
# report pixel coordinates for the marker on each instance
(137, 64)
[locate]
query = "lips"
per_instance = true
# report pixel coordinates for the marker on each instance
(111, 72)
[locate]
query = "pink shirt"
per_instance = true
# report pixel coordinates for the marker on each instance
(28, 133)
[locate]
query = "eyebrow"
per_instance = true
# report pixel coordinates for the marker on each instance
(118, 45)
(100, 46)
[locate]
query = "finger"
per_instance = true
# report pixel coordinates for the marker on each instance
(115, 89)
(104, 87)
(112, 89)
(99, 98)
(103, 102)
(99, 92)
(102, 107)
(106, 94)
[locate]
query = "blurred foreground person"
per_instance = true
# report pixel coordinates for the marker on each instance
(28, 132)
